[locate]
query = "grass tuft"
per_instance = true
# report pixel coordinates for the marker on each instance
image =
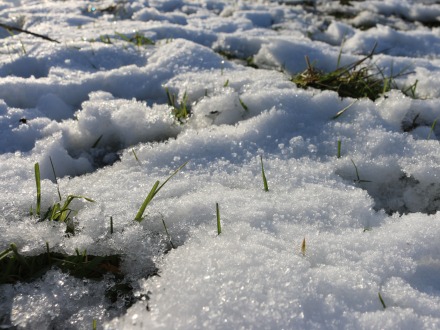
(59, 211)
(354, 80)
(137, 39)
(181, 111)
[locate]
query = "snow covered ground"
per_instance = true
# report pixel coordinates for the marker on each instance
(317, 250)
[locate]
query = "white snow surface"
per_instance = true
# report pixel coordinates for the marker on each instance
(313, 252)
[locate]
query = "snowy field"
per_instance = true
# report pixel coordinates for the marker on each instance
(344, 238)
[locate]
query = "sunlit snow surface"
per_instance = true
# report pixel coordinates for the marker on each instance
(99, 111)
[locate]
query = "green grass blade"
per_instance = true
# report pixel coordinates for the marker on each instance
(339, 149)
(243, 105)
(303, 247)
(48, 253)
(135, 156)
(55, 176)
(358, 179)
(381, 301)
(169, 97)
(147, 201)
(123, 36)
(266, 187)
(219, 225)
(156, 188)
(432, 127)
(38, 183)
(357, 172)
(5, 253)
(173, 174)
(168, 234)
(95, 144)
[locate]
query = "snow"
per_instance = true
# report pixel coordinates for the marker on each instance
(98, 110)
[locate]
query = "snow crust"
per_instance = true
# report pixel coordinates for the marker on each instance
(367, 221)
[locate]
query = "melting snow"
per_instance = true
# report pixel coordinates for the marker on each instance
(96, 106)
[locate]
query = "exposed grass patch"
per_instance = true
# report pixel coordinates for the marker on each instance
(248, 61)
(16, 267)
(137, 39)
(355, 80)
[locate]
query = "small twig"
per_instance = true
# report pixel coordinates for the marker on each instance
(13, 28)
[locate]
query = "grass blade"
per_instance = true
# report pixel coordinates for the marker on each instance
(55, 176)
(169, 97)
(153, 193)
(5, 253)
(173, 174)
(95, 144)
(303, 247)
(135, 156)
(243, 105)
(38, 183)
(147, 201)
(381, 301)
(358, 179)
(168, 234)
(266, 187)
(219, 225)
(339, 113)
(339, 149)
(432, 127)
